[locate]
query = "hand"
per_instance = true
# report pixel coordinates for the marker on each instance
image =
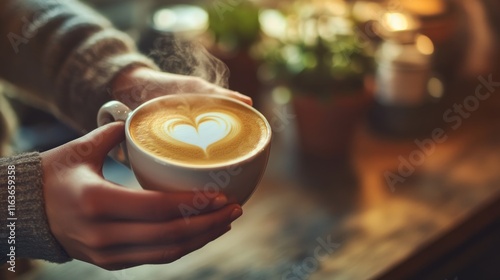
(138, 85)
(113, 227)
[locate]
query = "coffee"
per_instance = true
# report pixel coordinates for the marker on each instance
(199, 130)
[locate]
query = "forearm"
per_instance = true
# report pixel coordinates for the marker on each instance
(64, 55)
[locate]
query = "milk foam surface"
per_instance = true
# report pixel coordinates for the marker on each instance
(198, 130)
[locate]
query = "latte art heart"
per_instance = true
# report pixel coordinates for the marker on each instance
(207, 129)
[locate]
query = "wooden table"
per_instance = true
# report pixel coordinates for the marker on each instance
(340, 219)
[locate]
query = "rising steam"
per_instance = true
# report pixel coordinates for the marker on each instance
(189, 58)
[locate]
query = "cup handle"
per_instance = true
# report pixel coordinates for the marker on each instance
(110, 112)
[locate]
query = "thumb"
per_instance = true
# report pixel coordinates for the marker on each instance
(96, 144)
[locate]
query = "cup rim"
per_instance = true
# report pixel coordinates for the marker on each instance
(241, 160)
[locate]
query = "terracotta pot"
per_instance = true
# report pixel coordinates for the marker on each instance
(325, 128)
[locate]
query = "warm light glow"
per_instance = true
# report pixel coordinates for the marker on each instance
(424, 7)
(164, 19)
(281, 95)
(396, 21)
(390, 50)
(335, 8)
(365, 11)
(425, 45)
(293, 57)
(435, 88)
(326, 28)
(309, 31)
(180, 18)
(273, 23)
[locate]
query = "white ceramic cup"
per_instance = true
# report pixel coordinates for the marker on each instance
(237, 180)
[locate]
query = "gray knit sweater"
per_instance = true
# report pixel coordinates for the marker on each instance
(64, 57)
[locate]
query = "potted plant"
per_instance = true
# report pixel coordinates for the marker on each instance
(318, 55)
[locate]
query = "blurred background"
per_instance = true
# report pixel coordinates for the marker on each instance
(392, 60)
(384, 116)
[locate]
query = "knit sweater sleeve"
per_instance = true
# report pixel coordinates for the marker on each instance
(24, 230)
(64, 55)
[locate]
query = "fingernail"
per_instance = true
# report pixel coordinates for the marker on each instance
(219, 202)
(245, 97)
(236, 214)
(248, 98)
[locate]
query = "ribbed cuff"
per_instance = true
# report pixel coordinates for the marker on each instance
(27, 219)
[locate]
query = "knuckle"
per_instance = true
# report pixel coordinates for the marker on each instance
(172, 234)
(95, 241)
(197, 83)
(198, 80)
(89, 210)
(88, 203)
